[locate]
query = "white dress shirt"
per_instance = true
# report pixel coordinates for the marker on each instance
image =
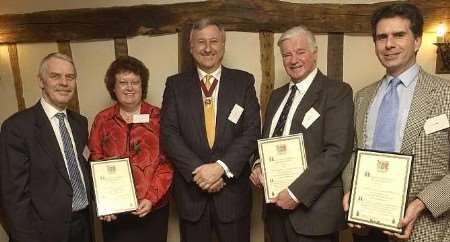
(51, 111)
(302, 87)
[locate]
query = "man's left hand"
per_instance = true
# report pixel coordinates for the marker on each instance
(207, 174)
(285, 201)
(414, 210)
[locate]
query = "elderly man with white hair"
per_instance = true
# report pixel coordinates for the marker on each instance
(322, 110)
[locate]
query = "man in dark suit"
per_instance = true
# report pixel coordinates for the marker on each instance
(209, 126)
(321, 109)
(44, 182)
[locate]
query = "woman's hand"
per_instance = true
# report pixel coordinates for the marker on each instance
(145, 206)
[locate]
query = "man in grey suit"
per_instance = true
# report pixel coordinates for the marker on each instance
(415, 98)
(321, 109)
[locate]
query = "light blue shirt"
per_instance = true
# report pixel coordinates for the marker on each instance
(405, 93)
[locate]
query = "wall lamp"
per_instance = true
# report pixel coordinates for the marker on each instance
(443, 50)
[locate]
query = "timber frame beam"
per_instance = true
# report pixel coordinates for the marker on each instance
(236, 15)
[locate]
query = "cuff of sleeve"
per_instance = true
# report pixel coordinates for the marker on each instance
(427, 199)
(292, 195)
(257, 162)
(226, 169)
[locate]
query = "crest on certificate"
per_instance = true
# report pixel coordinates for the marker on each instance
(111, 169)
(382, 166)
(281, 149)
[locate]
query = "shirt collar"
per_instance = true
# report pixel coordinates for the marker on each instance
(407, 77)
(303, 85)
(49, 110)
(216, 74)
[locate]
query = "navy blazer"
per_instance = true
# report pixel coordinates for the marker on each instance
(183, 136)
(35, 188)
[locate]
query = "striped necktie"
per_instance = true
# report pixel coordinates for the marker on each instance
(79, 198)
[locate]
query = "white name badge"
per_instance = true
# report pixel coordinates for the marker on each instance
(436, 123)
(235, 113)
(141, 118)
(310, 116)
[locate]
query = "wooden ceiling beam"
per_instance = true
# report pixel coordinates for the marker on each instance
(236, 15)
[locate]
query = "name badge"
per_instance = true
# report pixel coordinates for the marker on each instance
(141, 118)
(436, 123)
(310, 116)
(235, 113)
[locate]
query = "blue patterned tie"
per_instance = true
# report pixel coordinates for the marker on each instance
(278, 131)
(79, 199)
(384, 136)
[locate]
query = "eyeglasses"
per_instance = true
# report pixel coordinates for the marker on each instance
(124, 84)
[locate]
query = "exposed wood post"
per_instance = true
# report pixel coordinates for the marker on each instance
(120, 47)
(335, 57)
(15, 68)
(266, 41)
(185, 60)
(64, 48)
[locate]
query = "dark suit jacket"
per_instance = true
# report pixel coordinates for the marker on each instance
(328, 146)
(35, 187)
(183, 136)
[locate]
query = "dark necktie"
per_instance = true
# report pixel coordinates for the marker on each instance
(384, 135)
(278, 131)
(79, 199)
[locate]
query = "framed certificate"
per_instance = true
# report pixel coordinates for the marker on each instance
(379, 189)
(283, 160)
(113, 186)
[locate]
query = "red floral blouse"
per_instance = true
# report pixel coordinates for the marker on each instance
(112, 137)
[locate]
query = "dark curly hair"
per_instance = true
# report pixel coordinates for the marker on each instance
(403, 10)
(125, 64)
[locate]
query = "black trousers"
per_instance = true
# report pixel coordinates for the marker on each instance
(281, 230)
(80, 227)
(372, 236)
(130, 228)
(202, 230)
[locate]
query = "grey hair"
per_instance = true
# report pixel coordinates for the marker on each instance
(43, 65)
(296, 31)
(205, 22)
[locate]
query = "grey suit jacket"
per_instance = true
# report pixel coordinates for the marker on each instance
(328, 146)
(430, 179)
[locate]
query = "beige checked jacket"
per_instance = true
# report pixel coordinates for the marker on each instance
(430, 178)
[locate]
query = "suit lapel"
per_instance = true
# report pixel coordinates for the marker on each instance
(309, 98)
(224, 103)
(47, 139)
(419, 111)
(277, 98)
(362, 111)
(195, 99)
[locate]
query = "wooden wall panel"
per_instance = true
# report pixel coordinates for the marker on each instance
(15, 68)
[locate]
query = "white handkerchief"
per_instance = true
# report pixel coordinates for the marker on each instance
(436, 123)
(310, 117)
(141, 118)
(235, 113)
(86, 152)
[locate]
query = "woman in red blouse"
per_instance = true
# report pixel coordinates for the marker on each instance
(130, 128)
